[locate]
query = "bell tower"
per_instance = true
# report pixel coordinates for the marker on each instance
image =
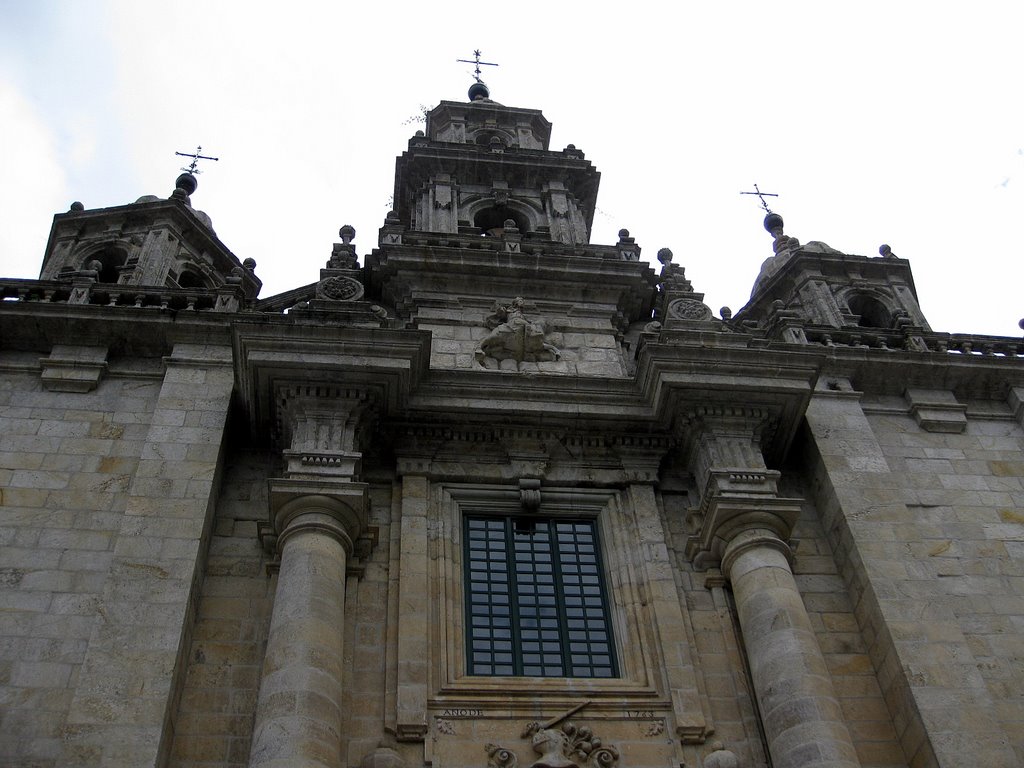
(489, 249)
(480, 164)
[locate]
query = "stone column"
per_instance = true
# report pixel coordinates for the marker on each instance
(298, 715)
(744, 526)
(801, 716)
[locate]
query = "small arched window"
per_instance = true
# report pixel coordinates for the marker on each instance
(871, 312)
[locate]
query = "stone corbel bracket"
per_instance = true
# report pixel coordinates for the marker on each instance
(937, 410)
(364, 546)
(73, 368)
(738, 500)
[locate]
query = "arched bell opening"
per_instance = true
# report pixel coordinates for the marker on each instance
(191, 279)
(871, 313)
(111, 259)
(491, 221)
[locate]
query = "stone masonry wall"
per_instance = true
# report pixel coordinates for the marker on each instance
(894, 498)
(963, 545)
(66, 463)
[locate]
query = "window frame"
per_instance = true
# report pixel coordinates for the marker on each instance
(632, 626)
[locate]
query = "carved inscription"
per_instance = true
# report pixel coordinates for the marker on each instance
(462, 713)
(639, 714)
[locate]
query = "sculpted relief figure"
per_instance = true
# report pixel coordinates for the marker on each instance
(566, 747)
(514, 336)
(569, 747)
(551, 745)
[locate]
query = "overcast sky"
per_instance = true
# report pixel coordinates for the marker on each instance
(898, 123)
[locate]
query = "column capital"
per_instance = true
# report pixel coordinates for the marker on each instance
(334, 508)
(325, 428)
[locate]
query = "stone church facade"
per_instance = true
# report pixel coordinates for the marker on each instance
(496, 496)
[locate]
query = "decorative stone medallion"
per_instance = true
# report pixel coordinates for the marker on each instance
(339, 288)
(689, 309)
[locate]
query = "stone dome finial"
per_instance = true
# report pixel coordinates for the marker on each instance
(188, 182)
(184, 186)
(478, 91)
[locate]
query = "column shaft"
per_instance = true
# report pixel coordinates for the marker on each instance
(298, 716)
(802, 718)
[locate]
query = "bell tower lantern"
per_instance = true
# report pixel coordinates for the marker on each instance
(480, 164)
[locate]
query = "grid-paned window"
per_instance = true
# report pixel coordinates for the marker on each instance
(536, 603)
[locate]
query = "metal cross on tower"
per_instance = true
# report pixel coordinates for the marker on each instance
(762, 196)
(196, 157)
(478, 63)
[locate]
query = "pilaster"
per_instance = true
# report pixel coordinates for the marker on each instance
(122, 711)
(413, 612)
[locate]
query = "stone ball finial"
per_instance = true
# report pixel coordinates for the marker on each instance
(186, 182)
(347, 233)
(725, 313)
(1020, 323)
(76, 207)
(623, 233)
(664, 255)
(419, 133)
(773, 224)
(478, 91)
(249, 264)
(95, 265)
(721, 757)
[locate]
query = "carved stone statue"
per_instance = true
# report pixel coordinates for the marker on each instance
(514, 336)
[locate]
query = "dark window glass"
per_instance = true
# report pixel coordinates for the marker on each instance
(536, 603)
